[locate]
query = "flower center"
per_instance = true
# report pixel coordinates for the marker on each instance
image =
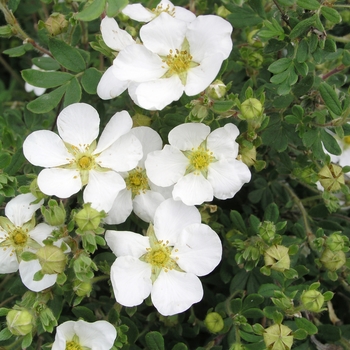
(159, 256)
(85, 162)
(19, 237)
(199, 160)
(137, 181)
(159, 9)
(72, 345)
(347, 140)
(178, 62)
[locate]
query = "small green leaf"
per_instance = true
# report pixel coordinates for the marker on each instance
(330, 144)
(90, 80)
(252, 301)
(73, 92)
(85, 313)
(27, 340)
(45, 79)
(271, 212)
(18, 51)
(180, 346)
(242, 17)
(346, 58)
(237, 221)
(5, 334)
(302, 68)
(5, 160)
(302, 51)
(330, 45)
(330, 98)
(280, 65)
(300, 334)
(331, 14)
(305, 324)
(6, 31)
(302, 27)
(114, 6)
(236, 305)
(91, 11)
(309, 4)
(222, 106)
(46, 63)
(154, 341)
(268, 290)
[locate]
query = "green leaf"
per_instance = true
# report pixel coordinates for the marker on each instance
(66, 55)
(47, 102)
(302, 27)
(268, 290)
(45, 79)
(27, 340)
(236, 305)
(305, 324)
(5, 160)
(271, 212)
(154, 341)
(280, 65)
(242, 17)
(300, 334)
(84, 313)
(222, 106)
(73, 92)
(91, 11)
(46, 63)
(330, 98)
(252, 300)
(90, 80)
(309, 4)
(180, 346)
(5, 334)
(6, 31)
(302, 51)
(18, 51)
(346, 58)
(237, 221)
(330, 143)
(114, 6)
(253, 313)
(28, 256)
(331, 14)
(302, 68)
(330, 45)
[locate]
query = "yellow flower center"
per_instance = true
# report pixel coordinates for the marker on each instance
(72, 345)
(85, 163)
(200, 159)
(159, 256)
(137, 181)
(159, 9)
(178, 62)
(19, 237)
(347, 140)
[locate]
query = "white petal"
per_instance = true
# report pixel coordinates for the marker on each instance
(193, 189)
(227, 178)
(122, 155)
(64, 332)
(208, 35)
(99, 335)
(121, 208)
(198, 249)
(78, 124)
(157, 94)
(126, 243)
(114, 37)
(21, 208)
(183, 14)
(146, 204)
(172, 217)
(102, 189)
(38, 91)
(166, 167)
(174, 292)
(27, 270)
(119, 124)
(131, 280)
(109, 86)
(45, 148)
(163, 34)
(166, 192)
(222, 142)
(200, 77)
(188, 136)
(8, 260)
(150, 141)
(137, 63)
(59, 182)
(138, 13)
(40, 232)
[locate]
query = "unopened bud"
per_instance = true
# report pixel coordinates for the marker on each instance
(214, 322)
(19, 322)
(277, 258)
(251, 108)
(55, 214)
(52, 259)
(248, 155)
(82, 289)
(267, 230)
(335, 242)
(56, 24)
(331, 177)
(278, 337)
(216, 89)
(222, 11)
(198, 113)
(88, 218)
(331, 260)
(312, 300)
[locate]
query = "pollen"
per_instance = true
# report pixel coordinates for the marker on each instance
(159, 9)
(137, 181)
(347, 140)
(85, 163)
(178, 62)
(72, 345)
(200, 159)
(19, 237)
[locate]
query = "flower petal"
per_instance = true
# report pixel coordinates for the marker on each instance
(227, 178)
(121, 208)
(222, 142)
(166, 167)
(21, 208)
(138, 13)
(208, 35)
(164, 34)
(40, 232)
(183, 14)
(131, 280)
(27, 270)
(193, 189)
(110, 86)
(198, 249)
(146, 204)
(174, 292)
(78, 125)
(119, 124)
(64, 332)
(137, 63)
(122, 155)
(114, 37)
(187, 136)
(45, 148)
(172, 217)
(8, 260)
(126, 243)
(59, 182)
(102, 189)
(156, 94)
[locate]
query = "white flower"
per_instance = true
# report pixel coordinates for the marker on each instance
(175, 57)
(73, 160)
(19, 234)
(99, 335)
(167, 262)
(200, 163)
(140, 194)
(139, 13)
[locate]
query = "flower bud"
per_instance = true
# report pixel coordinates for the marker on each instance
(216, 89)
(248, 155)
(222, 11)
(55, 214)
(140, 120)
(277, 258)
(52, 259)
(312, 300)
(267, 230)
(331, 177)
(335, 242)
(88, 219)
(19, 322)
(331, 260)
(198, 113)
(251, 108)
(278, 337)
(56, 24)
(35, 190)
(214, 322)
(82, 289)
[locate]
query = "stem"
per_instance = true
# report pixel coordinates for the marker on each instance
(283, 15)
(10, 70)
(334, 71)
